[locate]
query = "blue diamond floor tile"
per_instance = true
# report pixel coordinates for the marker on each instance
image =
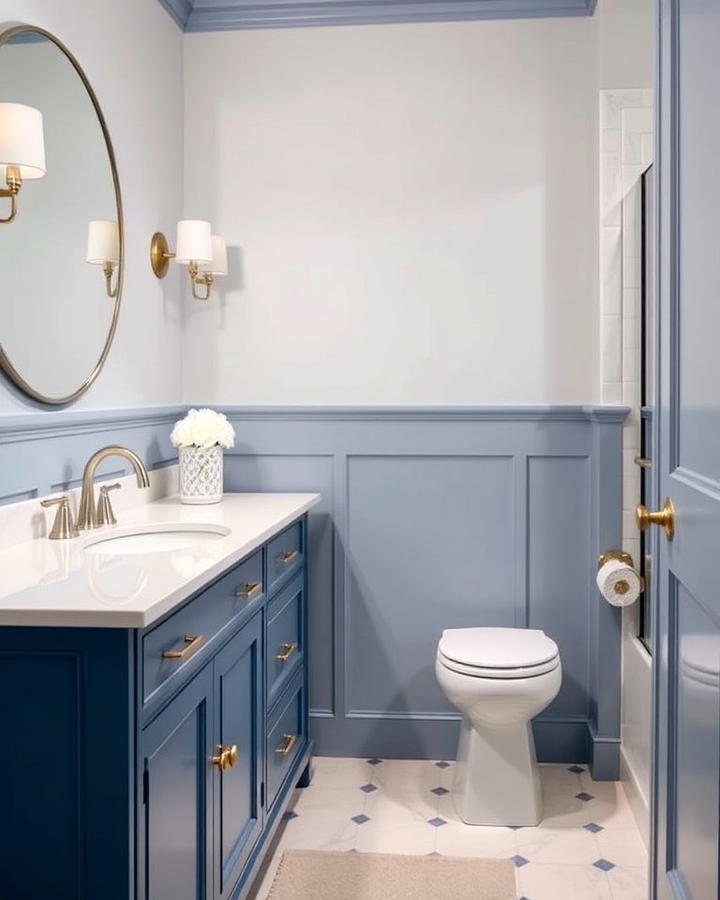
(604, 864)
(576, 769)
(583, 796)
(442, 764)
(440, 791)
(591, 826)
(361, 819)
(375, 761)
(437, 822)
(519, 861)
(290, 814)
(368, 788)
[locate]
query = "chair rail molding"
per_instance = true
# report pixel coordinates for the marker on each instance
(42, 453)
(228, 15)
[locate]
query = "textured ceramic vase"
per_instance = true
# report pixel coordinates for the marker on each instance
(201, 474)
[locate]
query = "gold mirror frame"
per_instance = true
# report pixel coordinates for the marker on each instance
(5, 363)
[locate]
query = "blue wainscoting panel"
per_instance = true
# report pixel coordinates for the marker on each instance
(225, 15)
(41, 453)
(429, 545)
(435, 518)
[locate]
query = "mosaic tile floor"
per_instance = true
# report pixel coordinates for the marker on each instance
(587, 847)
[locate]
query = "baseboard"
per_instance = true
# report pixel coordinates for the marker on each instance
(639, 803)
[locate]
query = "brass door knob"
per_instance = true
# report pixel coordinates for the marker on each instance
(225, 757)
(664, 517)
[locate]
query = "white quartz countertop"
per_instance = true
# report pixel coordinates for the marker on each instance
(58, 583)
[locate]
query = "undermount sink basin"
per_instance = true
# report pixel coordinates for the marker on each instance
(156, 539)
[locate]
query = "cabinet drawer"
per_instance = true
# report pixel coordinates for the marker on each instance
(285, 649)
(286, 738)
(285, 555)
(170, 647)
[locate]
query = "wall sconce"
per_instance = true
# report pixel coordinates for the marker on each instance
(203, 253)
(22, 150)
(103, 249)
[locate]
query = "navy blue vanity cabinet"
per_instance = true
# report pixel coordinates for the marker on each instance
(156, 764)
(176, 826)
(238, 687)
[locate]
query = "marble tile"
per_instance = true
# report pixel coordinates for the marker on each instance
(637, 120)
(317, 829)
(611, 268)
(559, 845)
(623, 846)
(647, 150)
(381, 835)
(612, 392)
(563, 882)
(456, 839)
(628, 883)
(611, 358)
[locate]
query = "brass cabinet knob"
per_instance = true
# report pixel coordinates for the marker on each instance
(225, 757)
(664, 517)
(287, 648)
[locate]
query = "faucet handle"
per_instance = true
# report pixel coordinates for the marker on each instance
(105, 514)
(63, 527)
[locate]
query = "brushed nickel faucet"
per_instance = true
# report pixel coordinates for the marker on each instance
(87, 512)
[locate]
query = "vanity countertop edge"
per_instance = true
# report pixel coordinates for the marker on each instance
(67, 587)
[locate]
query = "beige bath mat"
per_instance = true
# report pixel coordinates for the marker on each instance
(331, 875)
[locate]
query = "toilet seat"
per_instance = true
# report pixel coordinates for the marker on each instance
(501, 653)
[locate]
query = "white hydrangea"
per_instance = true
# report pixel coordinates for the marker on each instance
(203, 428)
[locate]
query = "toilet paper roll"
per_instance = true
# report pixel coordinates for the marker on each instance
(619, 583)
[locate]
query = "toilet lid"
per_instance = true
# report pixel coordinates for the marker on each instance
(504, 674)
(498, 648)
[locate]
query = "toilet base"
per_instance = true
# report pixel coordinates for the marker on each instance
(497, 780)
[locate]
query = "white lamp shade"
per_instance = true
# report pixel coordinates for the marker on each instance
(21, 140)
(103, 243)
(218, 265)
(194, 241)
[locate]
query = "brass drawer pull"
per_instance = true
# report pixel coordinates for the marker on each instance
(287, 648)
(643, 462)
(226, 757)
(192, 643)
(289, 741)
(251, 589)
(287, 557)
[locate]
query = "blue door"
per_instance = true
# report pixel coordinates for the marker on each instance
(175, 833)
(687, 457)
(238, 699)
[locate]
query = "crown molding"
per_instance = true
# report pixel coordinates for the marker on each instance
(229, 15)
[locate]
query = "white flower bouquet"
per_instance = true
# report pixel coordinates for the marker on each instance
(201, 438)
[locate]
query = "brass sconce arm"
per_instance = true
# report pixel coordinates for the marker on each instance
(108, 269)
(14, 183)
(207, 279)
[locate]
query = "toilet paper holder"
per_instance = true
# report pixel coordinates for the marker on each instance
(615, 554)
(625, 558)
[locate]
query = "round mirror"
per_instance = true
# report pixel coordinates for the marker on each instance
(61, 228)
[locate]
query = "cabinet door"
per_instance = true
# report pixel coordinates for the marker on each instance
(176, 750)
(238, 723)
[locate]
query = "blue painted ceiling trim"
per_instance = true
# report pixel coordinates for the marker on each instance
(226, 15)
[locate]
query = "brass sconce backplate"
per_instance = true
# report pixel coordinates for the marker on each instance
(160, 255)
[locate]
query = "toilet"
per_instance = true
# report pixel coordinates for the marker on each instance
(499, 678)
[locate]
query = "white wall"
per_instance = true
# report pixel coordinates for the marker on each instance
(415, 208)
(132, 53)
(626, 43)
